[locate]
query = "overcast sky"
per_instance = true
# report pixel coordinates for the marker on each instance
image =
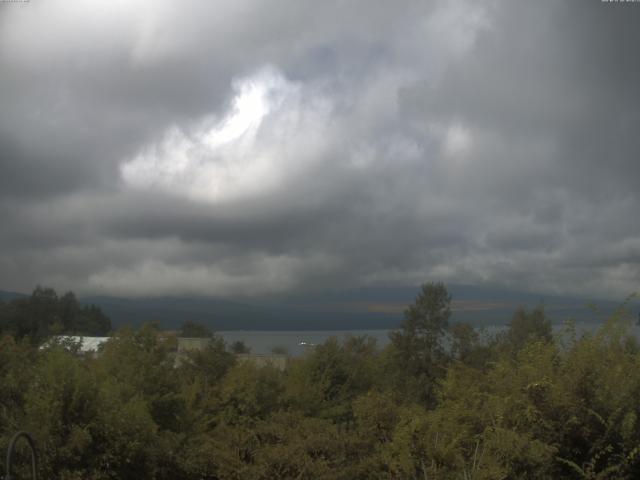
(152, 147)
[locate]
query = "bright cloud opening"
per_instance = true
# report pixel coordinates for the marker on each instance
(270, 130)
(457, 140)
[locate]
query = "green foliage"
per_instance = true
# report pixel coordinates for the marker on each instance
(467, 346)
(239, 347)
(527, 327)
(44, 313)
(280, 350)
(324, 383)
(250, 393)
(191, 329)
(522, 405)
(417, 347)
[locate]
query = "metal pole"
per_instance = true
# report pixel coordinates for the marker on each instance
(11, 449)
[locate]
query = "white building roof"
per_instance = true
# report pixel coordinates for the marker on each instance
(87, 344)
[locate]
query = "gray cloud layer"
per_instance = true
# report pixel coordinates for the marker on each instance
(159, 147)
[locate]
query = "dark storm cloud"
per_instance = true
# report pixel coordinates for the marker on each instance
(155, 148)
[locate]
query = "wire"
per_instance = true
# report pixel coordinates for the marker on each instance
(11, 449)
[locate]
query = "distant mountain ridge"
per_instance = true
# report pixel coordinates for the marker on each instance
(7, 296)
(357, 309)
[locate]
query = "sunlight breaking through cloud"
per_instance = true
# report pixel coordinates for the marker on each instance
(248, 151)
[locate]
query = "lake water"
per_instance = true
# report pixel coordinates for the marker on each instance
(297, 342)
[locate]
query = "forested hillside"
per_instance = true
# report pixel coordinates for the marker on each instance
(44, 313)
(440, 402)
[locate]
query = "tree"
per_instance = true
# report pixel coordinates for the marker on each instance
(250, 393)
(467, 346)
(68, 310)
(191, 329)
(239, 347)
(327, 380)
(417, 346)
(44, 313)
(4, 316)
(280, 350)
(527, 327)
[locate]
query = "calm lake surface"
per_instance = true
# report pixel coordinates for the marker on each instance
(292, 341)
(264, 341)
